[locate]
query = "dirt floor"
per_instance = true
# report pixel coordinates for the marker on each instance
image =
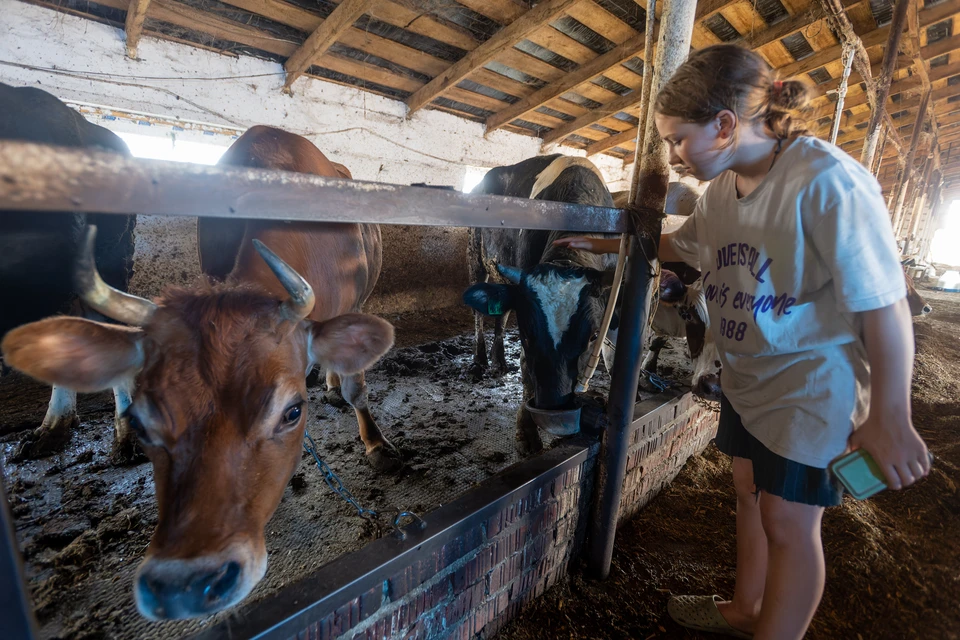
(893, 561)
(84, 524)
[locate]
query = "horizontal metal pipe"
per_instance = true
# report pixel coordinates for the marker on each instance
(44, 178)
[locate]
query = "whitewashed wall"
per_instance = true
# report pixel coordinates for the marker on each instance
(82, 62)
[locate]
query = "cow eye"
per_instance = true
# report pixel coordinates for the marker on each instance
(291, 416)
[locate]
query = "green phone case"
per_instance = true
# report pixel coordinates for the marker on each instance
(859, 473)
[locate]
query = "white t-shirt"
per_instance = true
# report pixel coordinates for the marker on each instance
(785, 270)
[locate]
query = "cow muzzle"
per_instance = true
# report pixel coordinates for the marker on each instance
(177, 589)
(558, 422)
(708, 387)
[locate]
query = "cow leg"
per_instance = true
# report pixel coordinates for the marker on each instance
(528, 439)
(653, 354)
(381, 454)
(126, 450)
(609, 349)
(499, 353)
(334, 395)
(54, 433)
(480, 361)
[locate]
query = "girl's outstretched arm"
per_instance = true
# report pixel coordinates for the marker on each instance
(888, 434)
(612, 245)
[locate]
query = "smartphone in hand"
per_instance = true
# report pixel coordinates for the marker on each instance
(860, 474)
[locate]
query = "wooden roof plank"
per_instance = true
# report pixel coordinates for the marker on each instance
(506, 37)
(595, 67)
(592, 15)
(329, 31)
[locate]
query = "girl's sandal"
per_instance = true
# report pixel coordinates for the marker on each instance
(701, 613)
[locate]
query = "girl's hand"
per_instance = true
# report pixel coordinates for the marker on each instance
(895, 445)
(888, 434)
(593, 245)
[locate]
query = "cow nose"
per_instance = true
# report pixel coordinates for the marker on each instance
(708, 387)
(170, 590)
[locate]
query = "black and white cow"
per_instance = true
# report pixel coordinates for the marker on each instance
(682, 313)
(38, 251)
(557, 293)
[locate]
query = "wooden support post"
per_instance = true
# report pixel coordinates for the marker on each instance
(676, 31)
(645, 102)
(883, 82)
(341, 19)
(901, 189)
(133, 26)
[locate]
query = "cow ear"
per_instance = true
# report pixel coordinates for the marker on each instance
(489, 299)
(74, 353)
(350, 343)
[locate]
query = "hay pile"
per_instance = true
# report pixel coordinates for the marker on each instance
(893, 562)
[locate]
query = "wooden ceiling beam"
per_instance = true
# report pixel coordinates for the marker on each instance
(341, 19)
(584, 73)
(133, 26)
(544, 13)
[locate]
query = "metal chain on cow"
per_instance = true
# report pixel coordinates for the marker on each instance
(375, 517)
(659, 383)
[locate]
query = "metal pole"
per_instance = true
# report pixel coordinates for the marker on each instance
(676, 30)
(890, 54)
(848, 55)
(16, 612)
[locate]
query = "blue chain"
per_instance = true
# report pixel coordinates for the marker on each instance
(336, 485)
(660, 384)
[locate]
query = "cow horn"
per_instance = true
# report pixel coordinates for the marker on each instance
(113, 303)
(301, 299)
(513, 274)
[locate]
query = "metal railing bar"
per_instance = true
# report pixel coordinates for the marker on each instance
(44, 178)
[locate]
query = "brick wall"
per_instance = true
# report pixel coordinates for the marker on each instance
(480, 581)
(661, 440)
(482, 558)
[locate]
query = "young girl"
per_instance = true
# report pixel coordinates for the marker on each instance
(806, 299)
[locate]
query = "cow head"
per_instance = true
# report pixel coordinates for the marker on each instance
(559, 309)
(689, 303)
(220, 409)
(918, 306)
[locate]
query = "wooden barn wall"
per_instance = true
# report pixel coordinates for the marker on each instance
(367, 133)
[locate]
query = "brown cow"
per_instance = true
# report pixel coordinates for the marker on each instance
(918, 306)
(220, 372)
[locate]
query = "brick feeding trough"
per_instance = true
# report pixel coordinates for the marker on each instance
(483, 557)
